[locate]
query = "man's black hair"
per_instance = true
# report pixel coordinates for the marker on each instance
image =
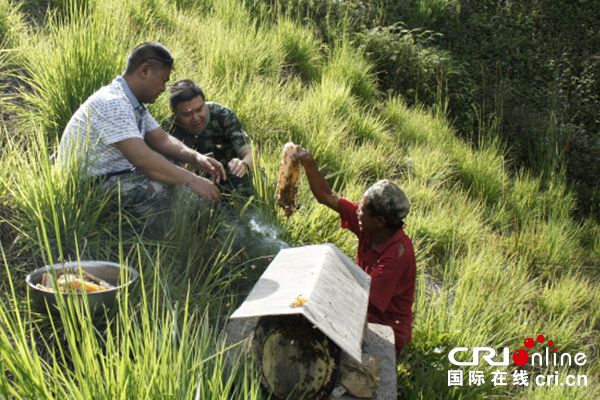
(184, 90)
(153, 53)
(393, 227)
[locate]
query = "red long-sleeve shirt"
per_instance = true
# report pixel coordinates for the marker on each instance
(392, 277)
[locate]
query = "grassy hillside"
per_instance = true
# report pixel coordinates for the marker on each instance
(500, 257)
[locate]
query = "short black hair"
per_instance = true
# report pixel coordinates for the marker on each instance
(393, 227)
(153, 53)
(184, 90)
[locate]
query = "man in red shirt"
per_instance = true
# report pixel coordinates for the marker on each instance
(384, 250)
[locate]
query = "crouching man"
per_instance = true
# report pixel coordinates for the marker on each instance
(114, 136)
(209, 127)
(384, 250)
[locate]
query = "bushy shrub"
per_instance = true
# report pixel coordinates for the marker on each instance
(406, 62)
(531, 65)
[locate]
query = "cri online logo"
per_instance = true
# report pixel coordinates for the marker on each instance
(520, 357)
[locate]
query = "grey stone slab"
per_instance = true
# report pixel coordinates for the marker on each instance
(239, 329)
(336, 290)
(381, 344)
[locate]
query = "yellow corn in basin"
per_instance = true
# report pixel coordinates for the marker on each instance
(100, 295)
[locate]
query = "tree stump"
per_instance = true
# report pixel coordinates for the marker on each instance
(294, 359)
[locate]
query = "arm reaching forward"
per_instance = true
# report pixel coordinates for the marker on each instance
(171, 146)
(156, 167)
(318, 185)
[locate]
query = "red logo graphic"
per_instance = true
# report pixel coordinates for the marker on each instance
(520, 357)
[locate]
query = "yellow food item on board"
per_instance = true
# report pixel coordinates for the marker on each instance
(298, 301)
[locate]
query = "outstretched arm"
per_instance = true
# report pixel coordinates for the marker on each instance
(318, 185)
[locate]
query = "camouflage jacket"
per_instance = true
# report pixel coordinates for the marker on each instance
(223, 135)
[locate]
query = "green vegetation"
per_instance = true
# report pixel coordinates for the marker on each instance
(11, 24)
(501, 253)
(522, 72)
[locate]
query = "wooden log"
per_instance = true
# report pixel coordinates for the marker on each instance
(294, 359)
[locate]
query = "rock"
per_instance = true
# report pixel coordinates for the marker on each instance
(360, 380)
(380, 343)
(239, 330)
(337, 392)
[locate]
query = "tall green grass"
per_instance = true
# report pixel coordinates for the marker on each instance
(163, 341)
(67, 63)
(303, 51)
(12, 25)
(427, 13)
(153, 347)
(51, 203)
(348, 65)
(500, 257)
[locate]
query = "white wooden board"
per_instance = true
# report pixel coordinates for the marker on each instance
(337, 291)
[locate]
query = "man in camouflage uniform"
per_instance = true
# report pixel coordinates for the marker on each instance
(209, 127)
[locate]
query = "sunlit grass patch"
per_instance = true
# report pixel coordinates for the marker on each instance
(53, 205)
(448, 220)
(267, 109)
(12, 25)
(422, 194)
(422, 367)
(481, 172)
(570, 332)
(466, 306)
(330, 97)
(231, 12)
(499, 256)
(487, 280)
(570, 294)
(147, 16)
(589, 391)
(549, 247)
(122, 357)
(316, 224)
(347, 65)
(416, 125)
(68, 63)
(368, 125)
(532, 198)
(371, 161)
(430, 164)
(303, 50)
(238, 50)
(7, 232)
